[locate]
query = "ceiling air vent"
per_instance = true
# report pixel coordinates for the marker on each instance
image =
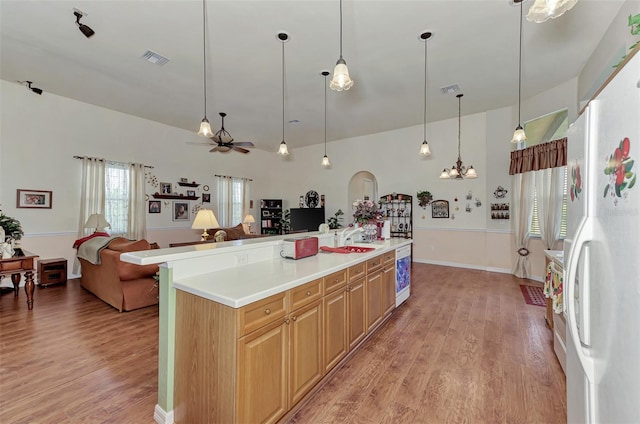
(450, 89)
(155, 58)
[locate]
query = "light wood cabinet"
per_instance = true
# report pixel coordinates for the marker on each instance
(373, 293)
(262, 375)
(306, 367)
(356, 322)
(336, 345)
(389, 288)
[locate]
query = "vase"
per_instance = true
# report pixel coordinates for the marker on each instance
(370, 233)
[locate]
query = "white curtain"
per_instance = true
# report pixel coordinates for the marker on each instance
(137, 220)
(549, 195)
(233, 200)
(246, 196)
(91, 196)
(523, 185)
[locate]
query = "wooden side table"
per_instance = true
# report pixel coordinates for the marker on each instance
(21, 262)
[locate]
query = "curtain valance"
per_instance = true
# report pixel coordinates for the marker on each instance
(541, 156)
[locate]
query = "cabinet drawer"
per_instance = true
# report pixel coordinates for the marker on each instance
(262, 312)
(305, 294)
(375, 263)
(389, 257)
(335, 281)
(357, 271)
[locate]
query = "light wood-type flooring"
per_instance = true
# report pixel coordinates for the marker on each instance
(465, 348)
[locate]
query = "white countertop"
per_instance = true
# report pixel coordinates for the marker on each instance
(555, 255)
(241, 285)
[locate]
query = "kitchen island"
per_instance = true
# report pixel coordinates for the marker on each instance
(246, 334)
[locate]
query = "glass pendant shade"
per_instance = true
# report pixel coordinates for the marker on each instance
(454, 172)
(424, 149)
(519, 135)
(471, 173)
(341, 80)
(444, 175)
(283, 150)
(325, 161)
(543, 10)
(205, 128)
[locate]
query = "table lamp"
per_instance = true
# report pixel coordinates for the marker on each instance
(205, 219)
(249, 219)
(97, 221)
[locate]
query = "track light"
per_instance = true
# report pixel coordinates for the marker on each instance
(86, 30)
(34, 89)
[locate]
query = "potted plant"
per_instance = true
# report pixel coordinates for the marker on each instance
(424, 198)
(11, 227)
(334, 221)
(285, 221)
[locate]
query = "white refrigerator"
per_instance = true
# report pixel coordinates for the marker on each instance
(602, 255)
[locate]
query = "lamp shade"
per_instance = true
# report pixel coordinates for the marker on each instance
(205, 219)
(97, 221)
(341, 80)
(519, 135)
(424, 149)
(541, 10)
(283, 150)
(205, 128)
(249, 219)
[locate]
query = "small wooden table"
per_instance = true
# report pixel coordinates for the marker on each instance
(21, 262)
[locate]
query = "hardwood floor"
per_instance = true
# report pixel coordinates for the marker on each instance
(464, 348)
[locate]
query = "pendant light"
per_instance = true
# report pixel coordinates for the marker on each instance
(519, 135)
(541, 10)
(424, 148)
(325, 159)
(341, 80)
(205, 127)
(283, 150)
(458, 171)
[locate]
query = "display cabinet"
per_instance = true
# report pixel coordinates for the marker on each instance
(271, 214)
(397, 209)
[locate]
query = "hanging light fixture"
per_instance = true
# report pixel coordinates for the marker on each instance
(459, 171)
(325, 159)
(519, 135)
(205, 127)
(541, 10)
(283, 150)
(424, 148)
(341, 80)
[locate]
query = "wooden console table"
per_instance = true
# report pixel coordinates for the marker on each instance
(15, 266)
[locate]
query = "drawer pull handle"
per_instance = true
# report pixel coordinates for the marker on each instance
(267, 311)
(294, 318)
(286, 321)
(308, 293)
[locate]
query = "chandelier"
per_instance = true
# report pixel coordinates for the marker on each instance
(459, 171)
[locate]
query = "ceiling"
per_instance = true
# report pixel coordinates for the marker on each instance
(475, 45)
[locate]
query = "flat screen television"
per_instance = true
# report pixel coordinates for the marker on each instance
(306, 219)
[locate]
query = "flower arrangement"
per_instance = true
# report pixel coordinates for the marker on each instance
(365, 211)
(424, 198)
(334, 221)
(11, 226)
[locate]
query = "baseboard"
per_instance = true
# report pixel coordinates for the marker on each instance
(161, 416)
(476, 267)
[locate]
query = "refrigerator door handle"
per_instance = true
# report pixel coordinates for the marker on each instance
(582, 236)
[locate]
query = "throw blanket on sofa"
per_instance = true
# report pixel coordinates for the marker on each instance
(90, 249)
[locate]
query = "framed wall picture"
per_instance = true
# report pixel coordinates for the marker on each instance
(180, 211)
(440, 209)
(154, 206)
(165, 188)
(206, 198)
(37, 199)
(191, 193)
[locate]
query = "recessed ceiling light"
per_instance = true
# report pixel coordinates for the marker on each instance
(454, 88)
(155, 58)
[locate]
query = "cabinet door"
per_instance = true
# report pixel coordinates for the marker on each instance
(389, 289)
(305, 344)
(262, 375)
(373, 293)
(357, 327)
(336, 345)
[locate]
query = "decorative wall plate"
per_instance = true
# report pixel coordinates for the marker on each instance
(500, 193)
(205, 188)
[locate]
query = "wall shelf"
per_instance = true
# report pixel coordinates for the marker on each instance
(170, 196)
(189, 184)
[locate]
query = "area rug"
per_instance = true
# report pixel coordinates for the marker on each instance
(533, 295)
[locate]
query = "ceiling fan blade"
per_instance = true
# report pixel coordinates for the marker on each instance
(215, 149)
(200, 144)
(240, 149)
(244, 143)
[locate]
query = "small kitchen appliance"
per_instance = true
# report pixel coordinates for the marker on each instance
(298, 248)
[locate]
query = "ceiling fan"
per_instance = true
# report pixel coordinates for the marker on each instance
(224, 142)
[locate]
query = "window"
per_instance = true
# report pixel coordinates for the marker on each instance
(232, 195)
(534, 228)
(116, 205)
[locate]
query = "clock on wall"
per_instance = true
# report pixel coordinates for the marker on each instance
(311, 199)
